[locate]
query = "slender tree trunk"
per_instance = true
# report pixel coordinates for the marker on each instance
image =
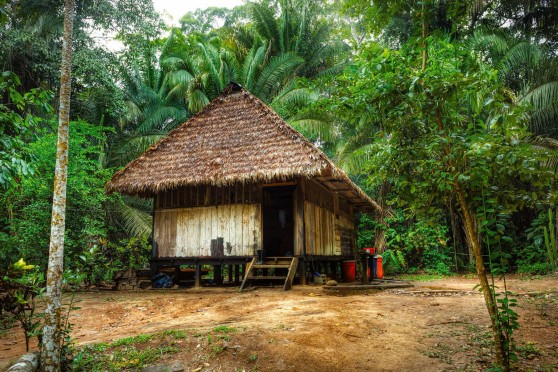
(424, 32)
(379, 237)
(50, 351)
(474, 242)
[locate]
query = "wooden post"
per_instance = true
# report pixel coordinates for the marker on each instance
(299, 238)
(217, 274)
(176, 274)
(333, 269)
(197, 279)
(236, 274)
(302, 271)
(364, 260)
(230, 267)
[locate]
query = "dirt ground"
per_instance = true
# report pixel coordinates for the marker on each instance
(435, 326)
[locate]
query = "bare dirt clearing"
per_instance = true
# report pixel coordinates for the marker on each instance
(437, 325)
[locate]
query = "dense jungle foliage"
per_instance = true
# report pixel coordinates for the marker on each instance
(422, 103)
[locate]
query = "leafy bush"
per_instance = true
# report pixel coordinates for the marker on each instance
(25, 222)
(412, 245)
(23, 285)
(393, 262)
(537, 268)
(533, 258)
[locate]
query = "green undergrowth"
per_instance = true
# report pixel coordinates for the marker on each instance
(136, 352)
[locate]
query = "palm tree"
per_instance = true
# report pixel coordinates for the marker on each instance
(529, 70)
(299, 29)
(154, 107)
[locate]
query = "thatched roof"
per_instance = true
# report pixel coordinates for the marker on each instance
(235, 138)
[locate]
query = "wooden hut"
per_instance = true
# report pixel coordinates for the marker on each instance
(235, 180)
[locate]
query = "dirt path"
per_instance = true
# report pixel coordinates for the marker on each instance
(438, 325)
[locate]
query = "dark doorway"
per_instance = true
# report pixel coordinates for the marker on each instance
(278, 224)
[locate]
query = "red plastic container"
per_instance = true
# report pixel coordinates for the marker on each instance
(379, 268)
(370, 250)
(348, 269)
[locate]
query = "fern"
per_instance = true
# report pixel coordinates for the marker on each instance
(393, 260)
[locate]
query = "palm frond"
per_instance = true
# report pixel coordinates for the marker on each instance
(172, 63)
(133, 220)
(180, 77)
(544, 100)
(317, 123)
(251, 65)
(161, 118)
(480, 41)
(548, 146)
(210, 60)
(544, 95)
(520, 55)
(292, 96)
(354, 158)
(197, 99)
(230, 68)
(334, 70)
(129, 147)
(274, 73)
(265, 23)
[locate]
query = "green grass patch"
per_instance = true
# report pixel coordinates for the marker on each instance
(127, 353)
(175, 333)
(421, 277)
(528, 350)
(126, 357)
(139, 351)
(224, 329)
(139, 339)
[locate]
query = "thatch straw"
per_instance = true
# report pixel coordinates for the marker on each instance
(235, 138)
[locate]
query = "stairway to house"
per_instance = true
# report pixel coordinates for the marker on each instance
(261, 271)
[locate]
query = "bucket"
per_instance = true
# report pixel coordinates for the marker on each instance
(349, 270)
(378, 269)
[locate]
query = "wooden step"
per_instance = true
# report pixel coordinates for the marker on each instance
(266, 266)
(290, 263)
(291, 275)
(266, 277)
(278, 259)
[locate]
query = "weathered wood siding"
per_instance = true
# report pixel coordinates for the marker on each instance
(205, 196)
(320, 230)
(344, 236)
(298, 201)
(328, 226)
(216, 231)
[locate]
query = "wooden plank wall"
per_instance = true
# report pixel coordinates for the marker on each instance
(344, 236)
(217, 231)
(206, 195)
(298, 201)
(320, 230)
(328, 226)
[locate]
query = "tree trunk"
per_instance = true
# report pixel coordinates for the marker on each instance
(50, 350)
(424, 34)
(474, 242)
(379, 237)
